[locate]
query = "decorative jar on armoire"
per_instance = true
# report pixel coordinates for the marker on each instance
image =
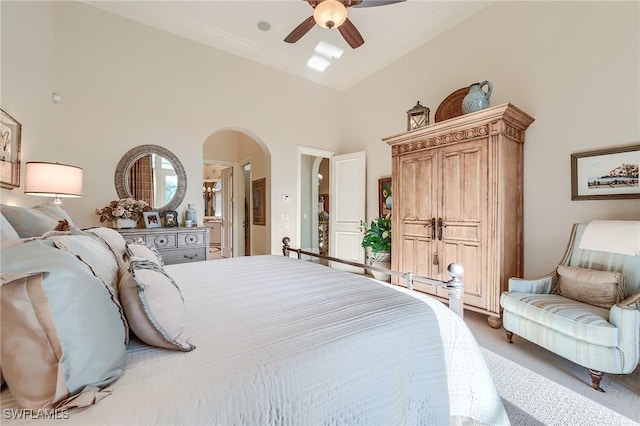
(477, 98)
(457, 195)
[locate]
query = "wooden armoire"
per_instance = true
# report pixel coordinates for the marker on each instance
(457, 197)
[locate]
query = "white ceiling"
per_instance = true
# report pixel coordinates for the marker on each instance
(390, 31)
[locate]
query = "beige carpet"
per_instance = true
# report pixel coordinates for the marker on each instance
(539, 387)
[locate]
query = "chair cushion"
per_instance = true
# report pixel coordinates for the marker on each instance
(599, 288)
(580, 320)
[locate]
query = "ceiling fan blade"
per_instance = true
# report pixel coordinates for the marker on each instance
(300, 30)
(351, 34)
(373, 3)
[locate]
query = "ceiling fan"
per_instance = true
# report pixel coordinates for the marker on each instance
(333, 14)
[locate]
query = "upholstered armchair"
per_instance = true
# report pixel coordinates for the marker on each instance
(588, 309)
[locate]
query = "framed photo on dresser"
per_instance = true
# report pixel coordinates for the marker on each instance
(170, 218)
(152, 220)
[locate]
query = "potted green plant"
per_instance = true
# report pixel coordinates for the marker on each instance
(377, 239)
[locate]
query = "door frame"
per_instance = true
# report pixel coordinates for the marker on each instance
(237, 246)
(304, 150)
(249, 198)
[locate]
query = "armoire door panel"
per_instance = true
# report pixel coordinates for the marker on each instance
(418, 259)
(469, 255)
(417, 228)
(464, 181)
(461, 231)
(418, 177)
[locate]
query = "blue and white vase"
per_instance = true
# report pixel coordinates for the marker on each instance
(477, 98)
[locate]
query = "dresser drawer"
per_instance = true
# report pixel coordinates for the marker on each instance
(192, 239)
(159, 240)
(162, 241)
(184, 255)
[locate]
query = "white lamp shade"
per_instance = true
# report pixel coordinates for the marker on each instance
(52, 180)
(330, 14)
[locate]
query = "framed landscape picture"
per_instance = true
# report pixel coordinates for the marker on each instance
(606, 174)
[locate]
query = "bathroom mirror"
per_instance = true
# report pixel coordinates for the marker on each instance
(154, 174)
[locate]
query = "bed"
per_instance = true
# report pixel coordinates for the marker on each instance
(283, 341)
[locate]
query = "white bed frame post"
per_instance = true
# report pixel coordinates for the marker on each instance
(455, 288)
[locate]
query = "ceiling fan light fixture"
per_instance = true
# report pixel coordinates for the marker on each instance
(330, 14)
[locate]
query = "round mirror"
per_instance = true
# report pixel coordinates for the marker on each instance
(153, 174)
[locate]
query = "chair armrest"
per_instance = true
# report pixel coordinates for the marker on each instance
(627, 321)
(542, 285)
(632, 302)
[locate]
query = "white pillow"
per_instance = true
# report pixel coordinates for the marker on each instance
(140, 250)
(154, 306)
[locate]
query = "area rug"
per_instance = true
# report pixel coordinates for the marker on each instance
(531, 399)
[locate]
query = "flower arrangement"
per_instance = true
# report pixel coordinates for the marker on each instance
(377, 235)
(125, 208)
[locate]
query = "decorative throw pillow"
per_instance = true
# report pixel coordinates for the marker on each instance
(112, 239)
(94, 254)
(28, 222)
(98, 258)
(598, 288)
(154, 305)
(141, 250)
(54, 211)
(62, 337)
(6, 230)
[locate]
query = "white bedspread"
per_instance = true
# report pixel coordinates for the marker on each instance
(282, 341)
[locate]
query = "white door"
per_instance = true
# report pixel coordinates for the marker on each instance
(226, 243)
(348, 191)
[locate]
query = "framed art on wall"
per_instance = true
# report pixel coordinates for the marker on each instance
(259, 198)
(151, 220)
(606, 174)
(384, 196)
(10, 130)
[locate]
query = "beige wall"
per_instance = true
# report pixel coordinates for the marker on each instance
(573, 66)
(124, 84)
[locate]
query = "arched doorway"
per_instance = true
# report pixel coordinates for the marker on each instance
(243, 161)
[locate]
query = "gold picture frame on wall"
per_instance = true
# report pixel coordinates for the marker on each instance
(259, 197)
(606, 174)
(384, 196)
(11, 132)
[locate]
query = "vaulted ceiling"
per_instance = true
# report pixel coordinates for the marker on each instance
(238, 27)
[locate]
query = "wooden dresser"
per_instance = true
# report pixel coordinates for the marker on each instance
(176, 245)
(457, 197)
